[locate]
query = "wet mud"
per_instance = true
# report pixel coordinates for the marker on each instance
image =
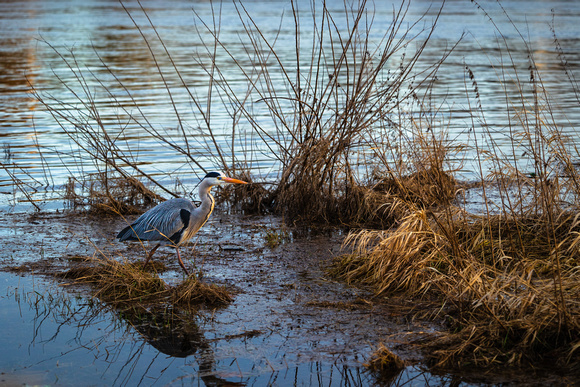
(287, 316)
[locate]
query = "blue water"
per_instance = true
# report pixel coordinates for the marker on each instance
(52, 336)
(40, 157)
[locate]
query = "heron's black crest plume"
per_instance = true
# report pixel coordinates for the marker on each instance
(209, 174)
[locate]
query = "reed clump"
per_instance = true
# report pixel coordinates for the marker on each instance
(108, 193)
(394, 261)
(426, 187)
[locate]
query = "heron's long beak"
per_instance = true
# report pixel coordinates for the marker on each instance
(234, 181)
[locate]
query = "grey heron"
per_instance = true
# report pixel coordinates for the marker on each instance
(176, 221)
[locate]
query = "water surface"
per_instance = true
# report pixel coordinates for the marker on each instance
(104, 40)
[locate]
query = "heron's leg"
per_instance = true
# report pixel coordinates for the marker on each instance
(181, 262)
(150, 254)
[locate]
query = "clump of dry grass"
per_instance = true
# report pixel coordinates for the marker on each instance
(395, 261)
(503, 304)
(402, 184)
(194, 292)
(385, 362)
(522, 306)
(426, 187)
(119, 283)
(127, 285)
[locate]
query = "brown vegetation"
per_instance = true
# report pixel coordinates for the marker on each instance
(506, 279)
(126, 285)
(106, 193)
(386, 364)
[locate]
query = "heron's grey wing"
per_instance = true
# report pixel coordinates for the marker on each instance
(161, 223)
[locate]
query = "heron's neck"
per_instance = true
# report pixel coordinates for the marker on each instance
(207, 200)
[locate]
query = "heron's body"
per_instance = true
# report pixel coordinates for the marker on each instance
(174, 222)
(169, 223)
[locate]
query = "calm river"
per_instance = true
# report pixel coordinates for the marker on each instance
(78, 52)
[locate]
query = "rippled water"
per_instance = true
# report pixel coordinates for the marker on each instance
(38, 155)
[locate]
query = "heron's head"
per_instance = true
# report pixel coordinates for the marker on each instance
(218, 178)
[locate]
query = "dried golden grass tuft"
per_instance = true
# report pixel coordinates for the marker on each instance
(412, 258)
(194, 292)
(503, 304)
(426, 187)
(128, 285)
(383, 360)
(119, 283)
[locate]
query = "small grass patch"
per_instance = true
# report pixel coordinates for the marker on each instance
(127, 285)
(384, 360)
(274, 238)
(194, 292)
(109, 193)
(118, 283)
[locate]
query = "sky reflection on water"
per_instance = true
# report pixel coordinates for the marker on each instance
(52, 337)
(104, 27)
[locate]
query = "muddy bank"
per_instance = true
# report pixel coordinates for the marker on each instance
(288, 321)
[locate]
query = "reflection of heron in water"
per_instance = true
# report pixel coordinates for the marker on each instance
(179, 335)
(174, 222)
(176, 337)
